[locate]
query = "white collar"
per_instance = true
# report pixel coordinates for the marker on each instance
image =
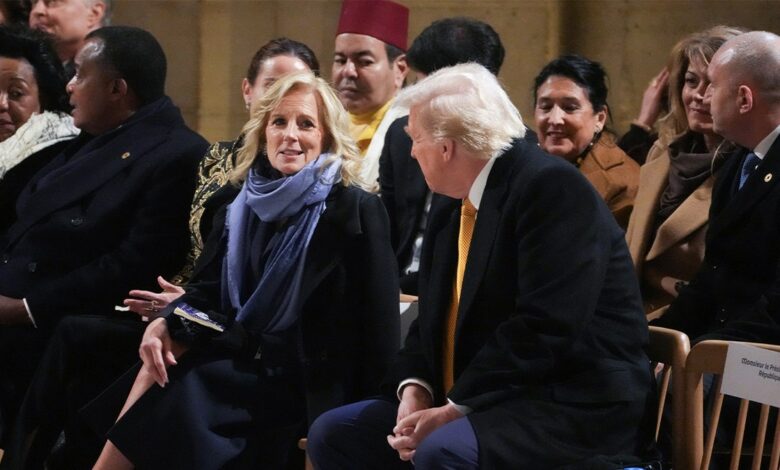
(763, 147)
(478, 186)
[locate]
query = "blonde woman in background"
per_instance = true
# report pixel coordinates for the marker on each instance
(668, 225)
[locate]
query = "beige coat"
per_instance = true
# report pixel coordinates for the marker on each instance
(614, 175)
(678, 248)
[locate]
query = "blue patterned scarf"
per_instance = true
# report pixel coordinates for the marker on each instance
(296, 201)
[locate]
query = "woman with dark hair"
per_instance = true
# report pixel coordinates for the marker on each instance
(669, 223)
(570, 96)
(289, 319)
(34, 109)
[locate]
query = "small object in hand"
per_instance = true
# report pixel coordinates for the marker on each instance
(192, 314)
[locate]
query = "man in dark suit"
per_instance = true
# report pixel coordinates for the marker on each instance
(728, 297)
(108, 214)
(445, 42)
(531, 328)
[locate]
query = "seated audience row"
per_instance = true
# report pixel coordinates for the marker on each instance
(297, 320)
(107, 213)
(292, 309)
(87, 353)
(540, 335)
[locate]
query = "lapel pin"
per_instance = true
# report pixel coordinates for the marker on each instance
(768, 178)
(125, 155)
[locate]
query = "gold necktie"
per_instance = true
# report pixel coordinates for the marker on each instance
(468, 215)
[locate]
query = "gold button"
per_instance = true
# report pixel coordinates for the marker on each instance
(768, 178)
(125, 155)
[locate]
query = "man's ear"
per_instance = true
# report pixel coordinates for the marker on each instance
(119, 88)
(601, 119)
(400, 70)
(744, 99)
(447, 147)
(97, 10)
(246, 92)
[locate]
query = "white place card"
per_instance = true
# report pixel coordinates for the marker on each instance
(752, 373)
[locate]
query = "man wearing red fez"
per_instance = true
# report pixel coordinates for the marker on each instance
(369, 67)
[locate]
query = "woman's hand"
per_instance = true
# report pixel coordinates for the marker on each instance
(158, 351)
(652, 100)
(148, 304)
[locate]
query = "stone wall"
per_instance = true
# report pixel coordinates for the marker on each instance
(209, 42)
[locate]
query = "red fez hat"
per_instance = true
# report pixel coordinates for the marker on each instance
(381, 19)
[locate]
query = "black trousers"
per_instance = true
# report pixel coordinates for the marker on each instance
(85, 354)
(21, 348)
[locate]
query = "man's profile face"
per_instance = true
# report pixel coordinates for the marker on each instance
(67, 20)
(362, 74)
(91, 90)
(427, 151)
(721, 96)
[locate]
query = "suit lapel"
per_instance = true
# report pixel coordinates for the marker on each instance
(89, 171)
(485, 231)
(732, 207)
(689, 216)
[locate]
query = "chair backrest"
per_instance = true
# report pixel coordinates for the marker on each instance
(670, 348)
(709, 357)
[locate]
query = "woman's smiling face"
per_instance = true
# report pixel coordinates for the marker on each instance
(565, 117)
(294, 133)
(694, 85)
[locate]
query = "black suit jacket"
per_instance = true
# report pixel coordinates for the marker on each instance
(549, 309)
(728, 297)
(17, 178)
(349, 291)
(108, 214)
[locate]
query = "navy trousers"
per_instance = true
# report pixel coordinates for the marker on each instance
(355, 437)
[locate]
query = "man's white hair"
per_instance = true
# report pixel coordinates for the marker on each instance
(466, 103)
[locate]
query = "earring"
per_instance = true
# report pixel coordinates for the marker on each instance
(246, 105)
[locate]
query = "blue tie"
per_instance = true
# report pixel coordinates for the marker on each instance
(750, 164)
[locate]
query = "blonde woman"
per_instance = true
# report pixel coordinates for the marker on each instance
(669, 222)
(308, 322)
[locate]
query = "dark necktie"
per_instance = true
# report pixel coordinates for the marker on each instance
(748, 166)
